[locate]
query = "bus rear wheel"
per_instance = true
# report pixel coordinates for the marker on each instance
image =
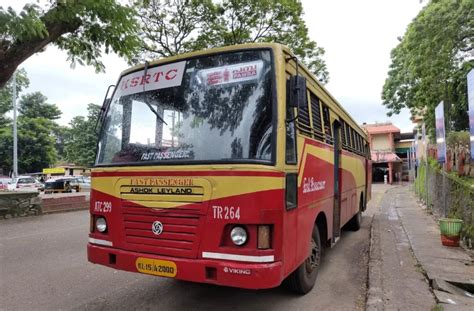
(356, 221)
(302, 280)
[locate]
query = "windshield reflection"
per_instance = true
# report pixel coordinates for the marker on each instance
(219, 110)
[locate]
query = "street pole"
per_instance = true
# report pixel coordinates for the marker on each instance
(15, 140)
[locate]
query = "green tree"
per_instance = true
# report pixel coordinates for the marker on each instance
(168, 25)
(6, 149)
(431, 62)
(6, 92)
(176, 26)
(36, 135)
(36, 145)
(34, 105)
(61, 134)
(81, 145)
(83, 28)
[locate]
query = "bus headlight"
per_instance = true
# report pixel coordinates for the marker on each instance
(238, 235)
(101, 224)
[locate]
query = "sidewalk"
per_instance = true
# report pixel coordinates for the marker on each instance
(408, 266)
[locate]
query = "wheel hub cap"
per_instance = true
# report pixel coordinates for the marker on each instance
(312, 262)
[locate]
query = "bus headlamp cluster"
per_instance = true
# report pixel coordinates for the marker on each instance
(101, 224)
(238, 235)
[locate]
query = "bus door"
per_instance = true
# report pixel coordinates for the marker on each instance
(336, 224)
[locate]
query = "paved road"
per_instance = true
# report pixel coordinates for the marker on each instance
(43, 266)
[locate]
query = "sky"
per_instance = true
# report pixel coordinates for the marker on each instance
(357, 36)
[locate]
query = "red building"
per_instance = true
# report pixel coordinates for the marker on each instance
(389, 149)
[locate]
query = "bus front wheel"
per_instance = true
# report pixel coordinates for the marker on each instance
(302, 280)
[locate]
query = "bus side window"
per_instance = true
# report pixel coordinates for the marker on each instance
(290, 157)
(354, 143)
(303, 119)
(348, 136)
(316, 116)
(357, 145)
(290, 123)
(327, 125)
(343, 134)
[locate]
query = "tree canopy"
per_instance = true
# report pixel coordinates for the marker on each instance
(81, 141)
(34, 105)
(36, 135)
(176, 26)
(6, 103)
(431, 62)
(82, 28)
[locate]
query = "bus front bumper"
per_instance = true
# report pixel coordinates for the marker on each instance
(219, 272)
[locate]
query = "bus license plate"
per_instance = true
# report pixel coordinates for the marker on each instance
(156, 267)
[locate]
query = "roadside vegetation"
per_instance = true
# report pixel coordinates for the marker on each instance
(137, 30)
(41, 140)
(431, 62)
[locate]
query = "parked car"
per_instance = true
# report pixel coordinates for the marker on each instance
(4, 183)
(81, 183)
(24, 183)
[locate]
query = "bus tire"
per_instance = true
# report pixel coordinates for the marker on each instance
(356, 220)
(302, 280)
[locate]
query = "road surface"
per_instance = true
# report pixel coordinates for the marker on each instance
(43, 266)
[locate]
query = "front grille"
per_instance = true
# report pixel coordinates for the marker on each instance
(179, 237)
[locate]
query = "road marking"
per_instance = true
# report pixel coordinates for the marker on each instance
(270, 258)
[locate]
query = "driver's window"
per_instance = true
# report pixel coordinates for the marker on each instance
(171, 132)
(141, 124)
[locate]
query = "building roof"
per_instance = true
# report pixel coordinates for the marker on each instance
(407, 136)
(384, 157)
(381, 128)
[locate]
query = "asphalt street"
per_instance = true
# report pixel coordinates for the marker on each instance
(43, 266)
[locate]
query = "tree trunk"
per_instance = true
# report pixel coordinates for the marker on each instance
(18, 52)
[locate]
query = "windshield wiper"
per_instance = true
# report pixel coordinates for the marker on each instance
(146, 98)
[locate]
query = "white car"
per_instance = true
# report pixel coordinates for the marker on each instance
(24, 183)
(4, 183)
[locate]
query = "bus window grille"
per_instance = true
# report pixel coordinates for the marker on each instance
(327, 125)
(316, 116)
(354, 144)
(343, 135)
(348, 137)
(303, 121)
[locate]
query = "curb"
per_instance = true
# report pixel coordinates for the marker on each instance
(65, 210)
(374, 287)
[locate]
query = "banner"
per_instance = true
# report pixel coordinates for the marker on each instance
(440, 132)
(54, 170)
(416, 146)
(237, 73)
(470, 98)
(159, 77)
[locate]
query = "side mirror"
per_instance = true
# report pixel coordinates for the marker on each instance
(296, 91)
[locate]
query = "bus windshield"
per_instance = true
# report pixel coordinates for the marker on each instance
(209, 109)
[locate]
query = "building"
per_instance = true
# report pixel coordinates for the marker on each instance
(390, 151)
(66, 170)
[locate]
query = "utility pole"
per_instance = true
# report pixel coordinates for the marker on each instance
(15, 139)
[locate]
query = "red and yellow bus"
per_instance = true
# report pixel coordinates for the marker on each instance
(230, 166)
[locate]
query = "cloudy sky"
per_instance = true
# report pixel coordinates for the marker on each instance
(357, 36)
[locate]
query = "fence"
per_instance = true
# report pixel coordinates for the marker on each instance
(446, 196)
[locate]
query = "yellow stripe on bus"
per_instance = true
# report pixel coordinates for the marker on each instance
(348, 163)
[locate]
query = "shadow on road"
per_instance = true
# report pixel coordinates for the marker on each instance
(341, 283)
